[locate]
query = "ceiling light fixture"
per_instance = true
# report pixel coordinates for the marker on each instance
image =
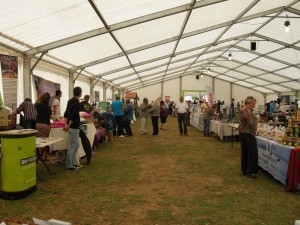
(230, 56)
(287, 25)
(208, 70)
(201, 75)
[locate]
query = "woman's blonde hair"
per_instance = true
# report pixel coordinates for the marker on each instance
(156, 102)
(249, 99)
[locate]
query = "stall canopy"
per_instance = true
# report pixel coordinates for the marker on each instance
(133, 44)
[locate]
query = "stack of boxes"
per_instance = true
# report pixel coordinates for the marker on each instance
(7, 119)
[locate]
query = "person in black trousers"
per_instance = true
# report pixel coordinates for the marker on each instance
(247, 129)
(154, 113)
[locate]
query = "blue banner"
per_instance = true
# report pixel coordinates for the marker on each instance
(274, 158)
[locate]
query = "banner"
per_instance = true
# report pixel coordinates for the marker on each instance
(210, 95)
(9, 68)
(42, 86)
(274, 158)
(97, 96)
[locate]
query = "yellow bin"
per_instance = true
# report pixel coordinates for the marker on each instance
(18, 164)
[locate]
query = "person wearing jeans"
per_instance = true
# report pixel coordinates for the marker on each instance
(72, 121)
(208, 114)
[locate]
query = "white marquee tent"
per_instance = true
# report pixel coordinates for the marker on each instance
(157, 47)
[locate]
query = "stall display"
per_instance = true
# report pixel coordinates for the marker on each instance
(272, 132)
(7, 119)
(281, 161)
(18, 163)
(196, 120)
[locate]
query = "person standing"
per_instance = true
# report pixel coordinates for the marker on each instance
(163, 113)
(85, 105)
(72, 121)
(128, 116)
(247, 130)
(154, 113)
(208, 115)
(56, 105)
(181, 109)
(29, 118)
(144, 108)
(116, 107)
(219, 103)
(44, 114)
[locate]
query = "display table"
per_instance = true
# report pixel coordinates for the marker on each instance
(222, 129)
(90, 131)
(234, 127)
(41, 143)
(281, 161)
(18, 163)
(196, 120)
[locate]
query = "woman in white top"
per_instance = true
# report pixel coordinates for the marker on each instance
(56, 113)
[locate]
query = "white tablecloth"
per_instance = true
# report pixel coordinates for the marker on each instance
(63, 145)
(222, 129)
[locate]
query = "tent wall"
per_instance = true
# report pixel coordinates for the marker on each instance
(171, 88)
(221, 89)
(271, 97)
(150, 92)
(239, 93)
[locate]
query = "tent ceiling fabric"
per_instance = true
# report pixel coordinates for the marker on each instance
(133, 44)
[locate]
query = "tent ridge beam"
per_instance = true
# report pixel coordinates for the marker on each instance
(119, 26)
(37, 61)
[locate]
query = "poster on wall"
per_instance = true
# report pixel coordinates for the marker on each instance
(9, 68)
(210, 95)
(97, 96)
(42, 86)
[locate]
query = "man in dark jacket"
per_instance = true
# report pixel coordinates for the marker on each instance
(72, 121)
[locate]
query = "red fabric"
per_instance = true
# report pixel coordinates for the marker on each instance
(85, 114)
(293, 173)
(59, 123)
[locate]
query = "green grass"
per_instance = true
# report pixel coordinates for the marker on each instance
(167, 179)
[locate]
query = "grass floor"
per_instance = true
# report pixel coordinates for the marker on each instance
(164, 179)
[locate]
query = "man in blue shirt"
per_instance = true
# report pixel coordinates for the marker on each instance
(272, 105)
(116, 107)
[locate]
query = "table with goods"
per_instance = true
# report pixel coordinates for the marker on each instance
(279, 152)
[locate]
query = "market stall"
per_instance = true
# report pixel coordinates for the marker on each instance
(281, 161)
(222, 129)
(56, 132)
